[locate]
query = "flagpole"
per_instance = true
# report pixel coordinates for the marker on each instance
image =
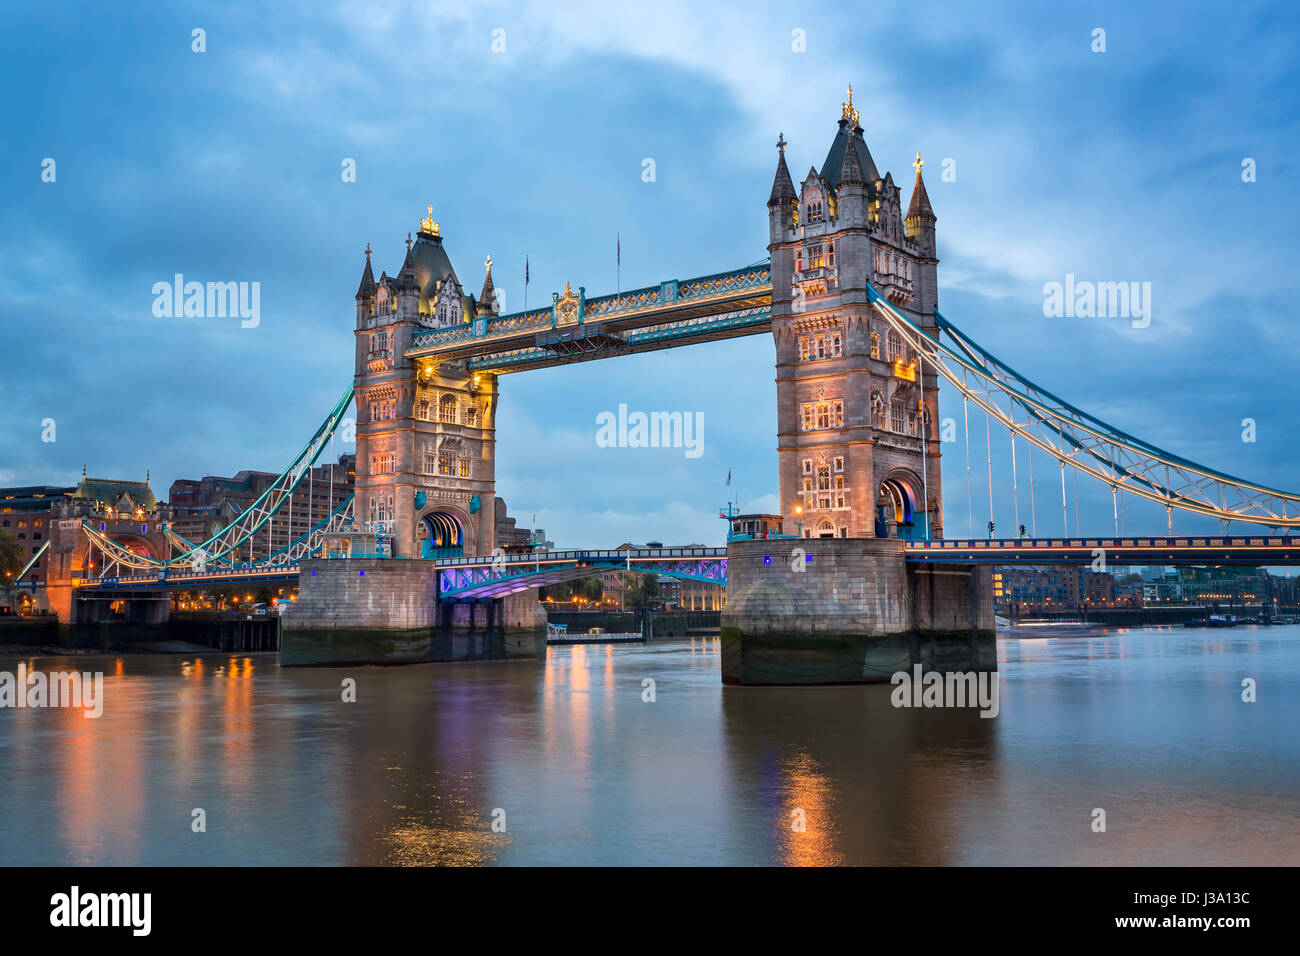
(618, 269)
(525, 282)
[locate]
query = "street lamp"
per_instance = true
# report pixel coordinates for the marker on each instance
(798, 513)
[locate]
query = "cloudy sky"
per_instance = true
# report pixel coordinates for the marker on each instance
(226, 165)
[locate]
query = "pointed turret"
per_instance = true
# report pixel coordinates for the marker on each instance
(851, 169)
(920, 208)
(782, 185)
(488, 297)
(406, 278)
(367, 287)
(850, 131)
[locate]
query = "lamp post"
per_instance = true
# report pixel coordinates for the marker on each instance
(798, 514)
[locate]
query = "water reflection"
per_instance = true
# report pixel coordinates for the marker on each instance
(580, 763)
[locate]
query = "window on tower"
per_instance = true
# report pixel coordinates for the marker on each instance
(447, 409)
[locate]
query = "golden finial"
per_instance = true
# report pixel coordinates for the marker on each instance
(427, 225)
(367, 250)
(488, 262)
(568, 292)
(408, 242)
(847, 112)
(781, 143)
(918, 164)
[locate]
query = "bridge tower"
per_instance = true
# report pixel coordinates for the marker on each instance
(425, 487)
(426, 465)
(858, 452)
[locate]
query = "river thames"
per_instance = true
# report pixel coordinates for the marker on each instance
(577, 767)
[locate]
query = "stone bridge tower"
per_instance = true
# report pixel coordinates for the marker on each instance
(426, 464)
(858, 448)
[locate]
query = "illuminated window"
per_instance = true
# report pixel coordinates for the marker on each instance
(447, 409)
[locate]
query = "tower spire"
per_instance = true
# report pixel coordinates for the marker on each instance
(782, 184)
(488, 297)
(919, 209)
(367, 286)
(851, 168)
(428, 227)
(848, 113)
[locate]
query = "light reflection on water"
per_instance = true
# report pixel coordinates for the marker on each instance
(1147, 724)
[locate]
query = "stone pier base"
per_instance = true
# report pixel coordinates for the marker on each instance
(385, 611)
(849, 610)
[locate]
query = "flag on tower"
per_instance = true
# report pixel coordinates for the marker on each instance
(728, 477)
(618, 249)
(525, 270)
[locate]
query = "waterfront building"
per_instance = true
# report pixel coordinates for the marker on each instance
(25, 513)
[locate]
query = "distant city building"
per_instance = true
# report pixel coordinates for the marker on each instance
(200, 507)
(25, 513)
(515, 540)
(1052, 587)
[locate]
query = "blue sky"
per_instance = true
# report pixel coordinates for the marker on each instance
(225, 165)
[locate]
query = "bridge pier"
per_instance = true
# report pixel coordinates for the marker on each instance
(386, 611)
(850, 610)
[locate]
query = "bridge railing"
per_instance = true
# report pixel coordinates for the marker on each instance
(1136, 541)
(581, 554)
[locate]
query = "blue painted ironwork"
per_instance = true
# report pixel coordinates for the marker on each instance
(1255, 551)
(503, 574)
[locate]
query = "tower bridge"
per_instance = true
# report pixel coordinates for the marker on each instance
(856, 580)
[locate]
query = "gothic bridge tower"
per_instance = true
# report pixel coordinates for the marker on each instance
(426, 464)
(858, 448)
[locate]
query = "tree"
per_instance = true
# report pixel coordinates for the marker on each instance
(643, 592)
(12, 558)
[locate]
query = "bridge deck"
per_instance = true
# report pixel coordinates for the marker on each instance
(497, 575)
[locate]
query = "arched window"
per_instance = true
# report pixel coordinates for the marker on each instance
(471, 415)
(447, 409)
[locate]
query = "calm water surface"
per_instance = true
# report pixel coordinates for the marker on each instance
(1147, 724)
